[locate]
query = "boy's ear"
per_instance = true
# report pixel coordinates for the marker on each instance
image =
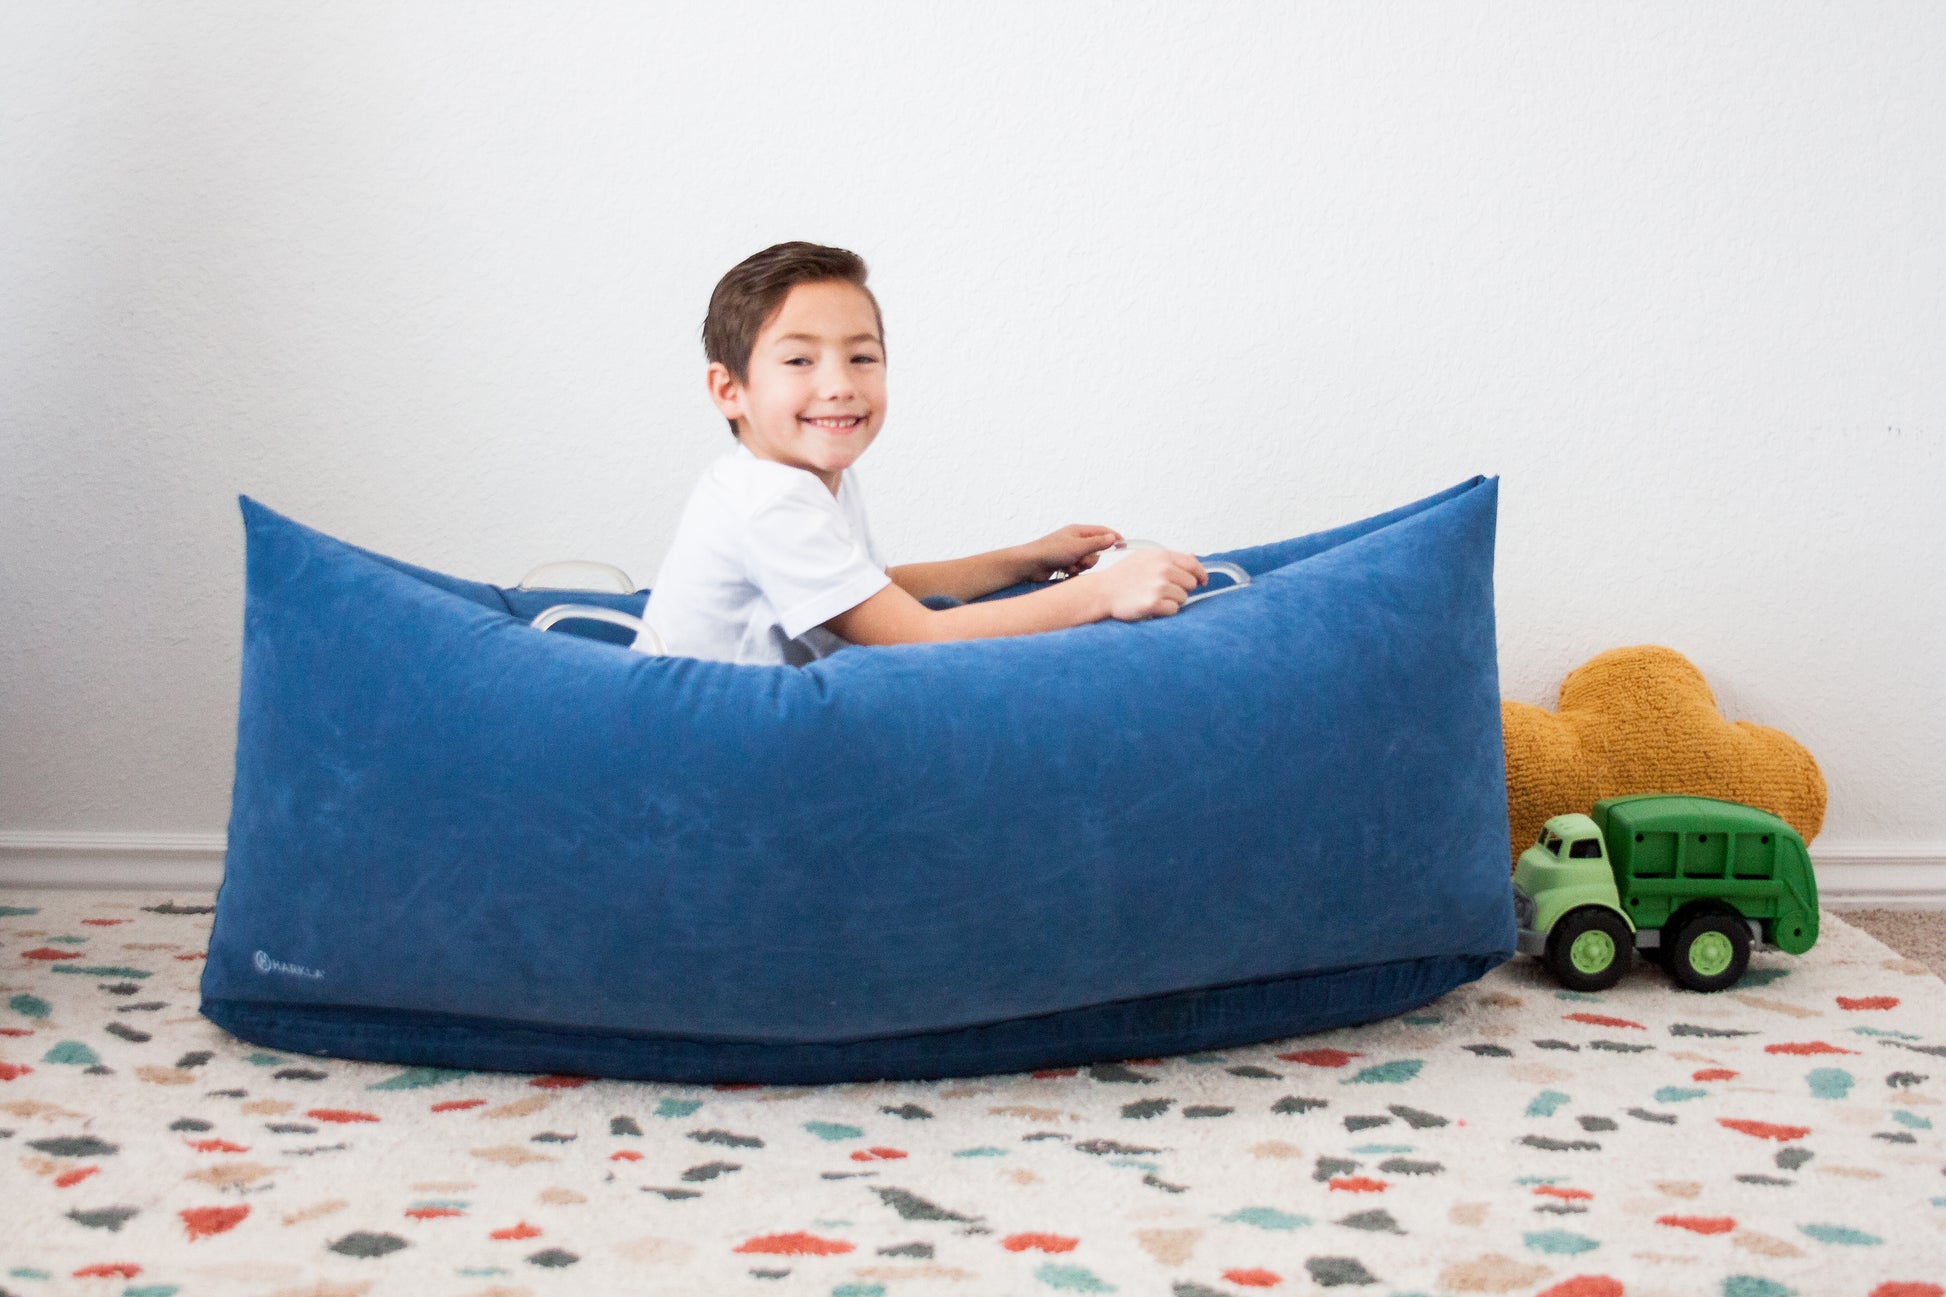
(724, 390)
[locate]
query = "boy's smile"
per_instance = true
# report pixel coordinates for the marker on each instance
(816, 393)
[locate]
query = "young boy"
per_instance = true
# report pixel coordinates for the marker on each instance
(773, 561)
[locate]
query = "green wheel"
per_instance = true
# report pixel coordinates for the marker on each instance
(1710, 951)
(1589, 949)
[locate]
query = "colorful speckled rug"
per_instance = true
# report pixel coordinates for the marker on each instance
(1787, 1137)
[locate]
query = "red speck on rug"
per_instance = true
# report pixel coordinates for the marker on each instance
(1603, 1020)
(1763, 1129)
(205, 1221)
(1321, 1058)
(794, 1244)
(522, 1230)
(1585, 1285)
(1253, 1278)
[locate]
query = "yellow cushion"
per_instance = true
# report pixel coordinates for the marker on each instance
(1643, 720)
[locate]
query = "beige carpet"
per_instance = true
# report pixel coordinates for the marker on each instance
(1916, 934)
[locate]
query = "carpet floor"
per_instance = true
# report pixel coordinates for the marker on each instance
(1917, 934)
(1786, 1137)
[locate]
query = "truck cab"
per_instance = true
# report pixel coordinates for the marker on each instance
(1569, 908)
(1567, 866)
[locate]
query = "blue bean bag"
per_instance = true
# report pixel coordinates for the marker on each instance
(459, 841)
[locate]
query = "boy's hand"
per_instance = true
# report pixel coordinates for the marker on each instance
(1071, 550)
(1148, 583)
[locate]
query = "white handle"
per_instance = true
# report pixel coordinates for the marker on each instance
(561, 612)
(1231, 570)
(1120, 550)
(614, 573)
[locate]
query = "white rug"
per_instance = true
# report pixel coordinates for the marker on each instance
(1786, 1137)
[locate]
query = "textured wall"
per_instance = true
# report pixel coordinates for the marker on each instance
(430, 277)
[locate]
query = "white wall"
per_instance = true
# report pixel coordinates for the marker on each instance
(430, 277)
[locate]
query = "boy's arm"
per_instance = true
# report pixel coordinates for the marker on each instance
(1071, 549)
(1150, 583)
(963, 578)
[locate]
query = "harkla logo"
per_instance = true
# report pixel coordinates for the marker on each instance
(265, 964)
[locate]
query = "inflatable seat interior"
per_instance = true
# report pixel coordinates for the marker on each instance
(459, 841)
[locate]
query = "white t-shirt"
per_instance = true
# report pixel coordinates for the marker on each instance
(762, 557)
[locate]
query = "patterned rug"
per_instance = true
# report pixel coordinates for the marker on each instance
(1786, 1137)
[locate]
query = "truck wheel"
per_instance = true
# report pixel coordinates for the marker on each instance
(1589, 949)
(1710, 952)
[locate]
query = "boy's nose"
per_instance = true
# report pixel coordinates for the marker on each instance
(835, 381)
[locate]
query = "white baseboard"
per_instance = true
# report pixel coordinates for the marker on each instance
(122, 861)
(1849, 877)
(1881, 877)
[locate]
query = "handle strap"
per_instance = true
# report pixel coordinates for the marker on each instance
(561, 612)
(613, 573)
(1231, 570)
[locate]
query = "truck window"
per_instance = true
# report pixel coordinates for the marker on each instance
(1553, 844)
(1586, 849)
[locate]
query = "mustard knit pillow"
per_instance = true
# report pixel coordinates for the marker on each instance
(1643, 720)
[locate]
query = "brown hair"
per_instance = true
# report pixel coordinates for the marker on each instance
(754, 290)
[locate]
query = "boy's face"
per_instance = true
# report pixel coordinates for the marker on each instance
(816, 394)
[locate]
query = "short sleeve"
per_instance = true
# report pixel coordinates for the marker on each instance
(802, 554)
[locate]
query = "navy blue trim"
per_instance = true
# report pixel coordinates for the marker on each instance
(1152, 1026)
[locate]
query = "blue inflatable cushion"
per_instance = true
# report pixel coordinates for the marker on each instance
(458, 841)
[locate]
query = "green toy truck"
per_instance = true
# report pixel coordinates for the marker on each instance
(1692, 881)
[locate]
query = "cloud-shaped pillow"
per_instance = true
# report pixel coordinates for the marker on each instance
(1643, 720)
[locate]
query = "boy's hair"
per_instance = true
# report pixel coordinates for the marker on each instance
(755, 288)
